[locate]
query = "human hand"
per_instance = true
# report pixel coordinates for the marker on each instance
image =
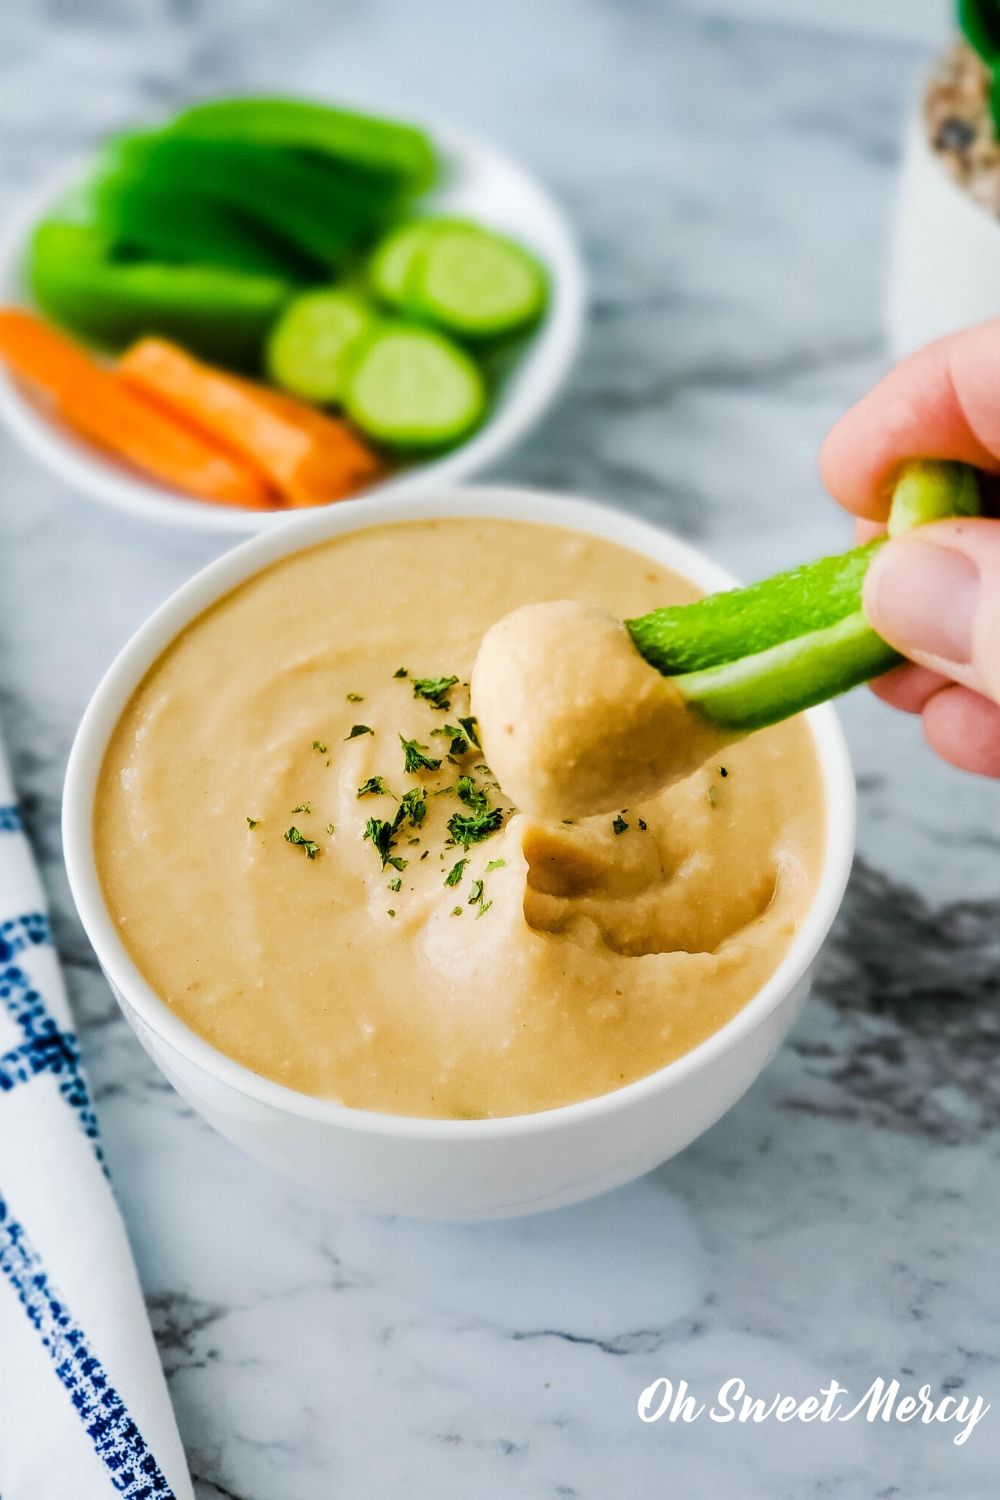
(934, 594)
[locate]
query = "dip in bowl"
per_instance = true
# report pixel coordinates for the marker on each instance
(344, 945)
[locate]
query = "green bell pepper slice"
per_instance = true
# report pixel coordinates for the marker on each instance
(223, 315)
(399, 155)
(321, 215)
(751, 657)
(143, 220)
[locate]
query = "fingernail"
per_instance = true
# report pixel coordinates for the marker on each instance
(923, 599)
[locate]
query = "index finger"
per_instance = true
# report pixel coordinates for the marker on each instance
(942, 402)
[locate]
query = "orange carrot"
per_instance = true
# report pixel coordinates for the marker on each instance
(309, 457)
(104, 409)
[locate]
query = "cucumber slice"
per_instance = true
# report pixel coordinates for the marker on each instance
(412, 388)
(475, 283)
(309, 349)
(393, 258)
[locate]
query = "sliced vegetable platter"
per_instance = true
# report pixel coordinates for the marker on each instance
(388, 341)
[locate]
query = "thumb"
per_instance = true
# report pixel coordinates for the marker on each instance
(934, 594)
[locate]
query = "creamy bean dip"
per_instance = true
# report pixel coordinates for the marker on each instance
(573, 720)
(310, 859)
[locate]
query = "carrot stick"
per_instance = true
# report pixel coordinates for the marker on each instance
(104, 409)
(309, 457)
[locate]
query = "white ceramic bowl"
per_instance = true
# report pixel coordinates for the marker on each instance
(450, 1169)
(944, 259)
(480, 183)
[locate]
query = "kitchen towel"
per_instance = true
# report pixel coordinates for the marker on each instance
(84, 1410)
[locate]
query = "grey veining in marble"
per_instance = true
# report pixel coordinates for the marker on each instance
(730, 170)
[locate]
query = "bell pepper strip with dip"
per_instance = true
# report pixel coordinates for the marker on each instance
(99, 405)
(218, 312)
(308, 457)
(800, 637)
(580, 714)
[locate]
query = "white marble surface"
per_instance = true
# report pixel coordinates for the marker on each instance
(730, 168)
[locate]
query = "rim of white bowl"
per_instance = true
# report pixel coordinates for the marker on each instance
(242, 562)
(538, 374)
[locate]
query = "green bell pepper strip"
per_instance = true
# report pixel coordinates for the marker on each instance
(140, 219)
(322, 214)
(742, 622)
(223, 315)
(751, 657)
(754, 691)
(397, 154)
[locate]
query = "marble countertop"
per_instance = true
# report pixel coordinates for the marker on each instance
(729, 166)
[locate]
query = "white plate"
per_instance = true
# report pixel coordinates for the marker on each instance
(480, 183)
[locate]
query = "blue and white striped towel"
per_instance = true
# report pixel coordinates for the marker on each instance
(84, 1410)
